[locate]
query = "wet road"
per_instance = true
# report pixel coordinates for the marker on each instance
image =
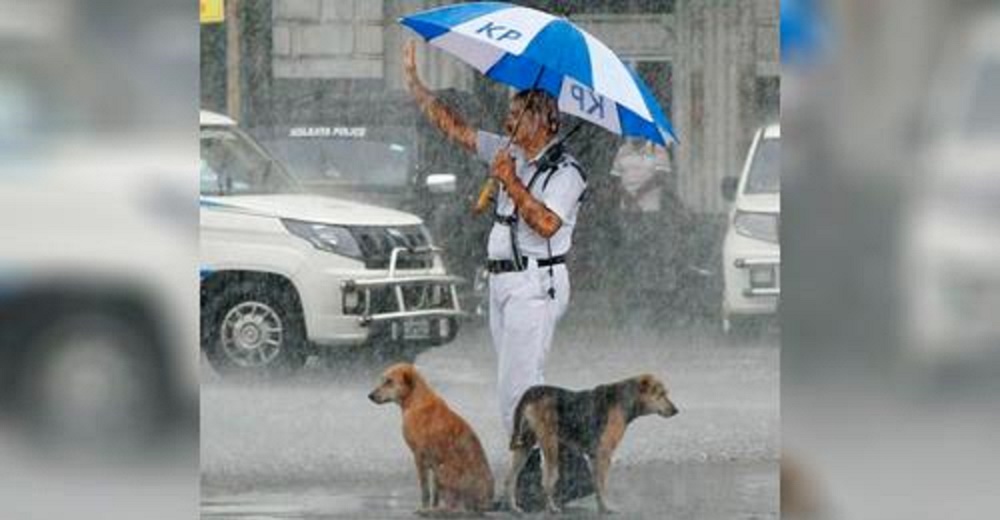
(317, 448)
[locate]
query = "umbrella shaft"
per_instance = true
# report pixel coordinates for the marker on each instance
(489, 188)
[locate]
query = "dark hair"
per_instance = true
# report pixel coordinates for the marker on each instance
(542, 103)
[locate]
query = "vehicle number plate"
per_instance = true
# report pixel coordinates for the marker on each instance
(416, 329)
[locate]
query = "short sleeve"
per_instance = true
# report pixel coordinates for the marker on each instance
(563, 191)
(488, 144)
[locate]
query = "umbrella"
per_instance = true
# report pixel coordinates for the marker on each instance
(526, 48)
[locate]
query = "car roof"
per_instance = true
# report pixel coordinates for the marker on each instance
(772, 132)
(213, 119)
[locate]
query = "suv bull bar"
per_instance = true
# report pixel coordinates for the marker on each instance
(769, 264)
(362, 291)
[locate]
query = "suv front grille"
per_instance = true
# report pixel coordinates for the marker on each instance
(377, 244)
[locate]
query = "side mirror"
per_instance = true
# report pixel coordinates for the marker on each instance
(729, 185)
(441, 183)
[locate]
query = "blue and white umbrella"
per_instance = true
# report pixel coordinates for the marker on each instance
(527, 48)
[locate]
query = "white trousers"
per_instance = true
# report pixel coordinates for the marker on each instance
(523, 320)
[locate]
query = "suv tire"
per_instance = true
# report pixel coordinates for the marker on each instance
(94, 378)
(254, 329)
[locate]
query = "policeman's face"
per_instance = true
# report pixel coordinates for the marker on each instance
(529, 127)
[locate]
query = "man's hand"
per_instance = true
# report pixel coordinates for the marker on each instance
(443, 117)
(503, 168)
(413, 83)
(540, 218)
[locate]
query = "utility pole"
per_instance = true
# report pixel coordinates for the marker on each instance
(233, 63)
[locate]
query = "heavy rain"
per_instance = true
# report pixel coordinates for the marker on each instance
(311, 98)
(166, 359)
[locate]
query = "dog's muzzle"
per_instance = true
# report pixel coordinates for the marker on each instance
(374, 398)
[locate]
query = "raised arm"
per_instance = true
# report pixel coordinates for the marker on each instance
(441, 115)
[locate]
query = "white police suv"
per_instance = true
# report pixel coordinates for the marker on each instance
(751, 252)
(287, 274)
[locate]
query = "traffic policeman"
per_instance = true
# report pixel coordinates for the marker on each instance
(535, 213)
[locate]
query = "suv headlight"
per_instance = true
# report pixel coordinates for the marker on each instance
(325, 237)
(761, 226)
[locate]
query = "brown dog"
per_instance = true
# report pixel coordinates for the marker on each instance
(445, 449)
(591, 421)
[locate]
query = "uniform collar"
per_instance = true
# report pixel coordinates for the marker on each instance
(541, 152)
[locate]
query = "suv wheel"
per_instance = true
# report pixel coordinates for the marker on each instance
(255, 329)
(94, 378)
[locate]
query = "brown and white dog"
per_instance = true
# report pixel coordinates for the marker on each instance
(592, 422)
(446, 450)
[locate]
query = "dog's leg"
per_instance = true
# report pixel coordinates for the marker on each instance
(602, 466)
(435, 480)
(519, 457)
(424, 477)
(550, 470)
(451, 502)
(614, 430)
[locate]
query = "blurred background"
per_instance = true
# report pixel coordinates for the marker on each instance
(891, 226)
(890, 345)
(98, 305)
(675, 265)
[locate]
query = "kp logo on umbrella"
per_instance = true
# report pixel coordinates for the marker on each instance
(507, 34)
(584, 103)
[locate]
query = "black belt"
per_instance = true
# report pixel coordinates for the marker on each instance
(508, 266)
(504, 220)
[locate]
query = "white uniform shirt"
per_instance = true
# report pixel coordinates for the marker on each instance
(561, 196)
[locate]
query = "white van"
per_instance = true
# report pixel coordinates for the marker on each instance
(286, 274)
(949, 284)
(751, 252)
(98, 317)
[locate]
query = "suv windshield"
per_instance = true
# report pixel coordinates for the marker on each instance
(366, 156)
(765, 168)
(232, 164)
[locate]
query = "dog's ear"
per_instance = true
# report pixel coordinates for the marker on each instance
(407, 378)
(645, 383)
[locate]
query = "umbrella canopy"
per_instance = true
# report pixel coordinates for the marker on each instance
(526, 48)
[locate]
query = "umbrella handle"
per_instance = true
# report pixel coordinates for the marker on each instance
(489, 188)
(485, 196)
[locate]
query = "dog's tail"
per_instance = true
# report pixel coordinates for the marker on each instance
(521, 437)
(517, 440)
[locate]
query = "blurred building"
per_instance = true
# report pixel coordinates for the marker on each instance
(713, 64)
